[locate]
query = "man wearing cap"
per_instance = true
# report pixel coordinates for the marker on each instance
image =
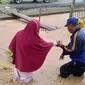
(76, 50)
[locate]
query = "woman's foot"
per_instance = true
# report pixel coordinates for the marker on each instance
(27, 82)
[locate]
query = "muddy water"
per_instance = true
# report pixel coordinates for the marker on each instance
(48, 73)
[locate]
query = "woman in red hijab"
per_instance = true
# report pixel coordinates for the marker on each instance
(29, 51)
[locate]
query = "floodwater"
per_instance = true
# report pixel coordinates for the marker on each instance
(48, 73)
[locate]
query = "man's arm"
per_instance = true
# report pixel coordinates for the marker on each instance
(75, 48)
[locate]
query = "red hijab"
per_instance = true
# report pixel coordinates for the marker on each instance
(29, 50)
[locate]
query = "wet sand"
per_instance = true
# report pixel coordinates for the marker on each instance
(48, 73)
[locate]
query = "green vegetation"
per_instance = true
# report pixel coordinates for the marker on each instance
(4, 1)
(9, 54)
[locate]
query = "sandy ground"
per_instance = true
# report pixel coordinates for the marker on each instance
(48, 73)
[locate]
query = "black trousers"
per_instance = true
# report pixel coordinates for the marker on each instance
(77, 69)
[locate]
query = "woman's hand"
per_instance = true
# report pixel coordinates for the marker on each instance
(59, 43)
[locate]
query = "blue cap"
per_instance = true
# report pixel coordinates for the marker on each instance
(72, 20)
